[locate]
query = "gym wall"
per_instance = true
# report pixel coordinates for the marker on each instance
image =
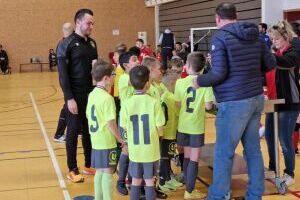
(30, 28)
(182, 15)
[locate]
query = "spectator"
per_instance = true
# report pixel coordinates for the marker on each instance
(238, 58)
(166, 41)
(262, 27)
(52, 59)
(3, 60)
(286, 81)
(144, 50)
(59, 136)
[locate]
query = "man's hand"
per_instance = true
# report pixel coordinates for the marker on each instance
(72, 106)
(196, 86)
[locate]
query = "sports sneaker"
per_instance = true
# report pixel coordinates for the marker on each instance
(88, 171)
(194, 195)
(61, 139)
(175, 183)
(164, 188)
(288, 179)
(75, 176)
(269, 174)
(121, 187)
(180, 177)
(160, 194)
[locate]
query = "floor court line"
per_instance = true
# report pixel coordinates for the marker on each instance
(50, 150)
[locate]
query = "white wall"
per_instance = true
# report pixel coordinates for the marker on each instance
(272, 10)
(291, 5)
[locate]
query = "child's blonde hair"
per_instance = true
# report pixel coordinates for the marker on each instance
(170, 78)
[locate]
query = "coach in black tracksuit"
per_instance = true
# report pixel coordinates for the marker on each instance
(75, 57)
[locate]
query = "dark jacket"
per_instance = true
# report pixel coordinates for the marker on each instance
(75, 56)
(239, 59)
(287, 77)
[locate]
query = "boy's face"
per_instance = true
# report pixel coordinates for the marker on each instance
(155, 72)
(116, 57)
(133, 61)
(110, 79)
(139, 44)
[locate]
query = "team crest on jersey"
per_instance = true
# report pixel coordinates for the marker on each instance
(172, 148)
(77, 44)
(113, 158)
(93, 44)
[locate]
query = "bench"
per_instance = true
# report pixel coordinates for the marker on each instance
(39, 65)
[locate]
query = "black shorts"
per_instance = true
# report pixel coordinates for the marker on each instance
(167, 148)
(189, 140)
(143, 170)
(104, 158)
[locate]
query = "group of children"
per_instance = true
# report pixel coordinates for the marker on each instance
(153, 115)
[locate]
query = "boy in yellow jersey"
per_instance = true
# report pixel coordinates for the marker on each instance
(101, 115)
(190, 131)
(142, 118)
(156, 88)
(127, 61)
(168, 142)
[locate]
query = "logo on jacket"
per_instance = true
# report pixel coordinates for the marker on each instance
(213, 47)
(77, 44)
(93, 44)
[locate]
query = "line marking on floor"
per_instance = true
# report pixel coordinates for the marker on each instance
(57, 169)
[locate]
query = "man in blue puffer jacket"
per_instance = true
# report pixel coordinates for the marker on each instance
(239, 58)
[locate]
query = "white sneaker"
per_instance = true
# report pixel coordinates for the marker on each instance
(61, 139)
(288, 179)
(269, 174)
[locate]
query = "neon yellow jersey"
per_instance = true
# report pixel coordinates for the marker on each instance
(156, 90)
(171, 115)
(141, 115)
(125, 89)
(192, 111)
(119, 72)
(101, 109)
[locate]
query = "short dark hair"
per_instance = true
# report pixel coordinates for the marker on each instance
(226, 11)
(139, 76)
(124, 58)
(100, 69)
(140, 40)
(264, 25)
(196, 60)
(121, 48)
(179, 43)
(135, 50)
(81, 12)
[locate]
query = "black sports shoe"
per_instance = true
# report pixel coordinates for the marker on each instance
(160, 194)
(121, 187)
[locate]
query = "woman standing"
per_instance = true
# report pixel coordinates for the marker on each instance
(286, 77)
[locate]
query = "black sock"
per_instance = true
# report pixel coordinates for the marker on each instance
(123, 167)
(186, 162)
(192, 172)
(150, 192)
(181, 158)
(135, 192)
(164, 172)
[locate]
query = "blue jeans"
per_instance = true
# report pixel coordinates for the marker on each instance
(286, 124)
(238, 120)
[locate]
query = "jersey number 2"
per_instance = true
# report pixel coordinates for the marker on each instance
(94, 129)
(190, 99)
(136, 129)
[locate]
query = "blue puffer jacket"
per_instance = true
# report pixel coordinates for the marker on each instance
(239, 59)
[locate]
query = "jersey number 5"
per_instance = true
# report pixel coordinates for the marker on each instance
(136, 129)
(190, 99)
(94, 129)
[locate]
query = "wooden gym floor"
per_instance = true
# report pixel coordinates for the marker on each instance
(26, 168)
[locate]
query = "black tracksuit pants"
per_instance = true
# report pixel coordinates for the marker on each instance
(74, 125)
